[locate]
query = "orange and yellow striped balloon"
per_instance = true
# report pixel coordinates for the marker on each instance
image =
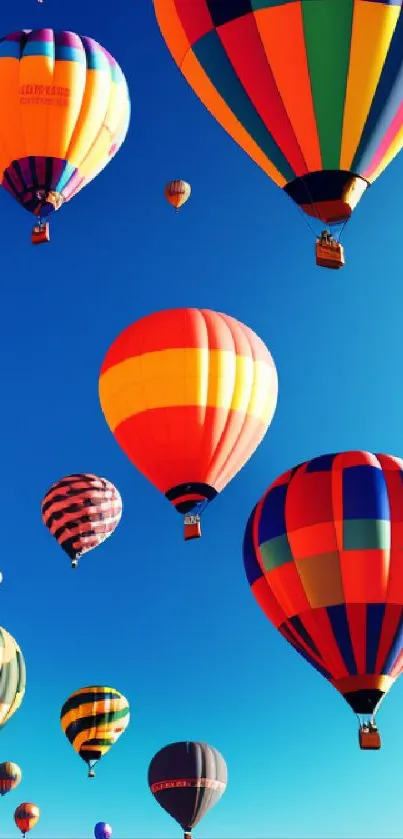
(189, 395)
(177, 193)
(64, 113)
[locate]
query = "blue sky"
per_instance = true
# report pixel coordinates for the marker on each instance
(173, 625)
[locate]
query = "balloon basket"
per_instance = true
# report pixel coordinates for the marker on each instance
(369, 740)
(329, 254)
(192, 528)
(40, 234)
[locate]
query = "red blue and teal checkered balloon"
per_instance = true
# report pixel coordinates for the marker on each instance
(323, 553)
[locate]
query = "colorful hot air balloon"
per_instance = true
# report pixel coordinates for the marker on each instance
(12, 676)
(81, 511)
(322, 553)
(187, 779)
(64, 113)
(102, 830)
(10, 777)
(26, 816)
(189, 395)
(93, 718)
(310, 90)
(177, 193)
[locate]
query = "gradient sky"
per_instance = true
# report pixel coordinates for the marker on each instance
(173, 625)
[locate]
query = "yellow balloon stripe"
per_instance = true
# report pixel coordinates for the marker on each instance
(178, 377)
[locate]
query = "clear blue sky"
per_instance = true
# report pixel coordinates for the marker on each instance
(173, 625)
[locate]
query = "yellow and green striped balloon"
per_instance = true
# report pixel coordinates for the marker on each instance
(93, 718)
(12, 676)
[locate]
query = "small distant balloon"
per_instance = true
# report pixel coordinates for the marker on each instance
(102, 830)
(10, 777)
(26, 816)
(81, 511)
(177, 193)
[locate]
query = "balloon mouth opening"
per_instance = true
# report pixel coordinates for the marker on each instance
(33, 182)
(190, 497)
(330, 196)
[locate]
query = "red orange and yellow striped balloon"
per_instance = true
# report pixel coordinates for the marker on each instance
(189, 395)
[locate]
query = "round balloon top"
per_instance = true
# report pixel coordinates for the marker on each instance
(102, 830)
(64, 113)
(322, 553)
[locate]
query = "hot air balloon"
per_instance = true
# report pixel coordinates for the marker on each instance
(311, 91)
(81, 511)
(10, 777)
(64, 113)
(177, 193)
(12, 676)
(187, 779)
(26, 816)
(189, 395)
(322, 553)
(102, 830)
(93, 718)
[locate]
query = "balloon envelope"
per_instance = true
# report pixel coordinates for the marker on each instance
(93, 718)
(312, 91)
(10, 776)
(81, 511)
(322, 553)
(26, 816)
(187, 779)
(177, 193)
(12, 676)
(102, 830)
(64, 113)
(189, 395)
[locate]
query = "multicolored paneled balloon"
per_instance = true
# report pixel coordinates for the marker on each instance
(12, 676)
(81, 511)
(188, 394)
(10, 777)
(187, 779)
(312, 91)
(64, 113)
(323, 555)
(177, 193)
(26, 816)
(93, 718)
